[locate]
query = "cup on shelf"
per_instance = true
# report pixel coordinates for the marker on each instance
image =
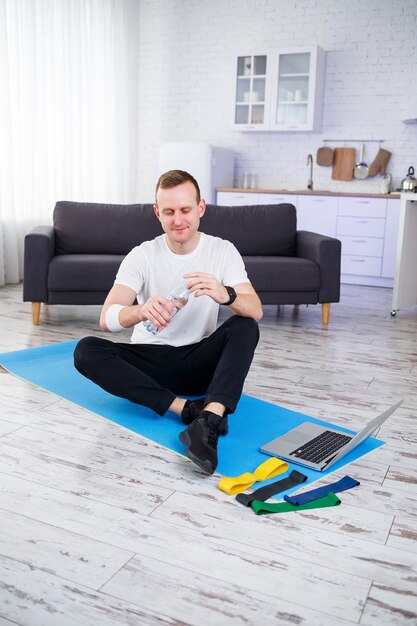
(298, 95)
(246, 96)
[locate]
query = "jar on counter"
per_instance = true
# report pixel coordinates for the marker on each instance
(386, 183)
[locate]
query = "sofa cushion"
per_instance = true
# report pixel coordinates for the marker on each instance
(282, 274)
(91, 228)
(77, 297)
(83, 272)
(255, 230)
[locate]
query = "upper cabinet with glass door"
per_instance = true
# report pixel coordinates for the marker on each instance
(297, 89)
(250, 103)
(281, 90)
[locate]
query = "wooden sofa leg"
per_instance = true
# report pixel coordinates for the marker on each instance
(36, 311)
(325, 313)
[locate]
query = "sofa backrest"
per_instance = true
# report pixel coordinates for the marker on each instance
(255, 230)
(93, 228)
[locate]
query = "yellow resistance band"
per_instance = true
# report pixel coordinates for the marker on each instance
(268, 469)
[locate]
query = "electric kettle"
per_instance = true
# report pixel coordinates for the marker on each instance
(409, 183)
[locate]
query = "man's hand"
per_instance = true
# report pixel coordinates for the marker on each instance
(158, 310)
(201, 284)
(247, 303)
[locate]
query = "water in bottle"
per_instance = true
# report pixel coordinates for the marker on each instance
(179, 298)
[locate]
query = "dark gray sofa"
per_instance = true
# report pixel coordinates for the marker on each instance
(75, 260)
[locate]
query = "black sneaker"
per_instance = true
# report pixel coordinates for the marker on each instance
(201, 440)
(191, 410)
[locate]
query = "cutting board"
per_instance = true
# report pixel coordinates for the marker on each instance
(343, 163)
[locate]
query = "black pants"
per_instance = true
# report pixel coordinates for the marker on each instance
(154, 375)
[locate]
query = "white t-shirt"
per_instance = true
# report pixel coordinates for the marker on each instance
(153, 269)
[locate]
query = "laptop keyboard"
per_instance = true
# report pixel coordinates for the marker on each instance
(320, 447)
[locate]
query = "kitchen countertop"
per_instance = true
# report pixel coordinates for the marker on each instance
(307, 192)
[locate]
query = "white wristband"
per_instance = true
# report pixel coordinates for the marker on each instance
(112, 318)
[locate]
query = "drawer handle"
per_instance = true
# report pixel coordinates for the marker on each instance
(361, 221)
(363, 201)
(358, 260)
(359, 240)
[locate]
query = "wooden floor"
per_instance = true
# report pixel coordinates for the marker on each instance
(101, 527)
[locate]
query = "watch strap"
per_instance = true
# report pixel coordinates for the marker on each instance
(232, 295)
(263, 493)
(308, 496)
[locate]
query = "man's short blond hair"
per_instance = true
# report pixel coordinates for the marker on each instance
(173, 178)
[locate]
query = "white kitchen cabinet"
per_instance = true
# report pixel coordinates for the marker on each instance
(317, 214)
(277, 198)
(251, 97)
(362, 266)
(362, 246)
(366, 226)
(236, 198)
(240, 198)
(357, 206)
(280, 90)
(361, 226)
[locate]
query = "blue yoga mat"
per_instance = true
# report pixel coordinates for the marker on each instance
(254, 423)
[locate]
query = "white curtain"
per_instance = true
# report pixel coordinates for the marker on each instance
(68, 111)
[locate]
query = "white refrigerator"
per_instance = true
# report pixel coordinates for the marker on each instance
(212, 167)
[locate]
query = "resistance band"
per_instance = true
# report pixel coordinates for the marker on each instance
(268, 469)
(341, 485)
(263, 508)
(263, 493)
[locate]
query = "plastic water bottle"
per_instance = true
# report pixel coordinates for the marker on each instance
(179, 298)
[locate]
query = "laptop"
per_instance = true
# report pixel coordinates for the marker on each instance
(319, 447)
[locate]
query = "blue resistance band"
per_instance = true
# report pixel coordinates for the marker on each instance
(308, 496)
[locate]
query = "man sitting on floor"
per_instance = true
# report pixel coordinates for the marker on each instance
(187, 355)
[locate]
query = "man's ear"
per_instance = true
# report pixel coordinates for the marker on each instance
(202, 206)
(156, 211)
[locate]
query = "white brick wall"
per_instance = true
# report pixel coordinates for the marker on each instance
(188, 51)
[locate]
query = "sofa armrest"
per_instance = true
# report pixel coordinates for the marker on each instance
(39, 250)
(326, 252)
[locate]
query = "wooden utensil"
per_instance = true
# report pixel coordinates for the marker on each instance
(324, 156)
(343, 163)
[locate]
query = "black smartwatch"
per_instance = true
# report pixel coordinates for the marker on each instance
(232, 295)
